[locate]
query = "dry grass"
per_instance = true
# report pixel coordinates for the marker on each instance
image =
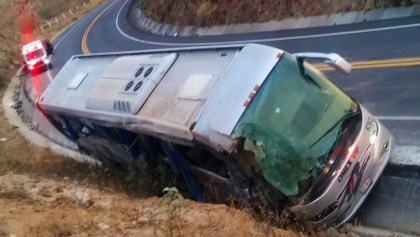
(8, 38)
(59, 7)
(220, 12)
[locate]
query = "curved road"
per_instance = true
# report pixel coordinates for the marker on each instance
(389, 89)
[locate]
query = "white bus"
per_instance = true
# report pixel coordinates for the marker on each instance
(251, 120)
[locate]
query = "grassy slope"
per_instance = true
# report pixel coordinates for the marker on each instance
(8, 48)
(220, 12)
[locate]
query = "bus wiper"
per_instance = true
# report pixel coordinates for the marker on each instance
(300, 61)
(348, 115)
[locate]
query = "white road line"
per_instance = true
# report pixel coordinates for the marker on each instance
(50, 77)
(122, 32)
(261, 40)
(399, 118)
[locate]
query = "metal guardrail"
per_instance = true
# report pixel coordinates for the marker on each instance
(64, 15)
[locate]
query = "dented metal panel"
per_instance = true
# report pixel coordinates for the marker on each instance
(226, 106)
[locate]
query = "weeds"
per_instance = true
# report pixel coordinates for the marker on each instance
(174, 202)
(173, 199)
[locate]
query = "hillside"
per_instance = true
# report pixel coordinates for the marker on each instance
(222, 12)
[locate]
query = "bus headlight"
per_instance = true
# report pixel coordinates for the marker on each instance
(372, 139)
(47, 61)
(372, 127)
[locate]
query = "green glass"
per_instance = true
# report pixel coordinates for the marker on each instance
(292, 123)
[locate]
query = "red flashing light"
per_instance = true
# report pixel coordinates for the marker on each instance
(354, 152)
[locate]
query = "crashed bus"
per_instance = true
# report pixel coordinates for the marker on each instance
(249, 120)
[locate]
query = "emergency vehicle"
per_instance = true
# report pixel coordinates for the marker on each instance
(36, 56)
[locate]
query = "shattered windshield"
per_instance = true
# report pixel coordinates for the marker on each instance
(292, 123)
(34, 54)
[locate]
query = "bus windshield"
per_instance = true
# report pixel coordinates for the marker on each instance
(293, 122)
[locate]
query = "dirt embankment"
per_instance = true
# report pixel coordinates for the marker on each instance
(222, 12)
(50, 207)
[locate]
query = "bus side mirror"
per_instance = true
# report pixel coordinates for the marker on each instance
(332, 59)
(338, 63)
(49, 48)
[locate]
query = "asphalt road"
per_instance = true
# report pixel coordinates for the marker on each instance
(389, 89)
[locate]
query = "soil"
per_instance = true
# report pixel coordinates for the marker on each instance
(35, 206)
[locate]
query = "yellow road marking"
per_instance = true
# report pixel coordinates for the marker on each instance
(388, 65)
(396, 60)
(399, 62)
(85, 47)
(382, 63)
